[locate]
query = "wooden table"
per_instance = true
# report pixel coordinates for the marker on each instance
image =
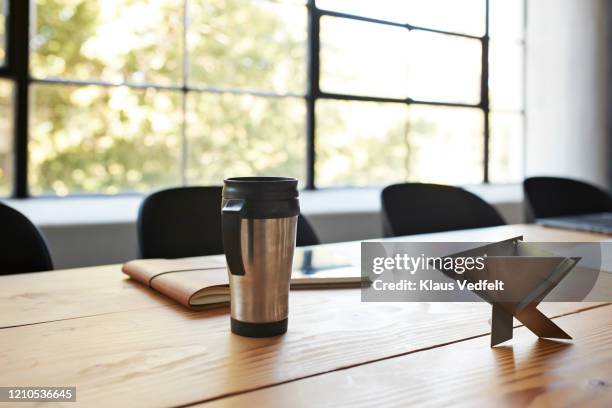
(123, 345)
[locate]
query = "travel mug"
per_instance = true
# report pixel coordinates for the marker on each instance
(259, 217)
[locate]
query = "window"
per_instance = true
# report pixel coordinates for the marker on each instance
(506, 56)
(333, 92)
(6, 113)
(6, 139)
(3, 12)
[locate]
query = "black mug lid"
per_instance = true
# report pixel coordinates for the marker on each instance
(260, 188)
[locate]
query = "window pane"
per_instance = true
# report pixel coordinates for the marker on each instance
(506, 147)
(447, 144)
(3, 10)
(6, 137)
(110, 40)
(361, 143)
(506, 88)
(506, 75)
(391, 10)
(372, 59)
(245, 43)
(363, 58)
(244, 135)
(506, 19)
(103, 140)
(465, 16)
(364, 143)
(444, 68)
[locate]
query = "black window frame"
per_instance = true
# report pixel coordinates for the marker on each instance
(16, 69)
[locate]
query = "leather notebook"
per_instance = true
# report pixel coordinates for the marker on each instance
(203, 281)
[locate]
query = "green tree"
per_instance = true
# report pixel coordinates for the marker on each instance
(98, 139)
(5, 115)
(110, 139)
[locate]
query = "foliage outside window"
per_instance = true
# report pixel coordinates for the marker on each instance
(136, 95)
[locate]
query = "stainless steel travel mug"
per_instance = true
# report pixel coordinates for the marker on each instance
(259, 227)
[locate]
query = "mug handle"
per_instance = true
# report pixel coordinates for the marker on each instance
(231, 218)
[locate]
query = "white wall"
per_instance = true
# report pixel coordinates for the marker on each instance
(566, 89)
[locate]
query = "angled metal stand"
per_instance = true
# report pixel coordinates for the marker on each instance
(532, 318)
(527, 277)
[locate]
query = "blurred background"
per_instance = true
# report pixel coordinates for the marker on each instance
(102, 98)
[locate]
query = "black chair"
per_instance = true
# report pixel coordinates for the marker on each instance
(555, 197)
(186, 221)
(22, 246)
(181, 222)
(306, 235)
(417, 208)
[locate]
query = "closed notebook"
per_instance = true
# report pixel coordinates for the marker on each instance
(203, 281)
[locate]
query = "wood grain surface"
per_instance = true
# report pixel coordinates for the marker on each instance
(122, 344)
(525, 372)
(55, 295)
(186, 357)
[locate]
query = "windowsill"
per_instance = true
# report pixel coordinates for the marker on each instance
(53, 212)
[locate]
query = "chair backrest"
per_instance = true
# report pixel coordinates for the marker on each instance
(181, 222)
(22, 246)
(418, 208)
(186, 221)
(555, 197)
(306, 235)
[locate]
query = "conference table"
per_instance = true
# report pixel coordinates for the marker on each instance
(123, 345)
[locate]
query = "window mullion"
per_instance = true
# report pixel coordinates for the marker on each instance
(313, 91)
(18, 63)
